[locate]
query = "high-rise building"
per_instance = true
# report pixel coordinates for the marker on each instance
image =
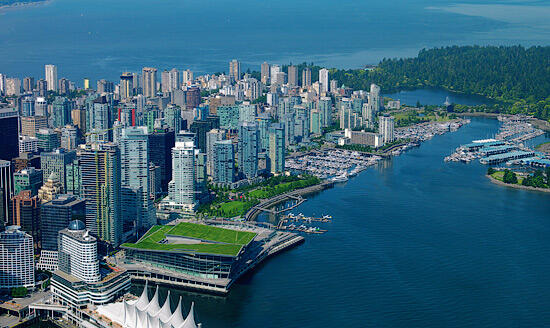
(165, 82)
(323, 80)
(31, 124)
(277, 148)
(235, 70)
(306, 77)
(27, 179)
(28, 84)
(78, 117)
(55, 216)
(61, 112)
(126, 89)
(200, 128)
(104, 86)
(265, 73)
(187, 77)
(182, 186)
(86, 84)
(325, 107)
(28, 144)
(174, 80)
(248, 149)
(55, 162)
(385, 127)
(25, 213)
(161, 142)
(229, 117)
(16, 259)
(292, 76)
(149, 81)
(48, 140)
(41, 106)
(247, 113)
(42, 87)
(212, 137)
(224, 162)
(50, 189)
(172, 117)
(193, 97)
(13, 87)
(64, 86)
(100, 186)
(78, 253)
(135, 171)
(9, 134)
(73, 178)
(333, 86)
(6, 191)
(374, 98)
(51, 77)
(28, 107)
(69, 137)
(99, 121)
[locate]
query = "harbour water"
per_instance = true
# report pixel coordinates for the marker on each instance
(101, 38)
(414, 242)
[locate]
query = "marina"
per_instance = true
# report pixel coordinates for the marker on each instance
(298, 223)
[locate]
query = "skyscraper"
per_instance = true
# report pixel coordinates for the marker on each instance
(9, 134)
(55, 216)
(174, 80)
(172, 117)
(6, 187)
(61, 111)
(25, 213)
(212, 137)
(306, 77)
(99, 120)
(135, 171)
(235, 70)
(161, 142)
(277, 148)
(386, 126)
(323, 80)
(55, 162)
(28, 84)
(51, 77)
(50, 189)
(165, 82)
(182, 186)
(224, 162)
(374, 98)
(265, 73)
(100, 171)
(149, 81)
(248, 149)
(78, 253)
(16, 259)
(292, 76)
(27, 179)
(126, 85)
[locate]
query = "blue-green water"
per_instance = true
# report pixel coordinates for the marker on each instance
(415, 242)
(101, 38)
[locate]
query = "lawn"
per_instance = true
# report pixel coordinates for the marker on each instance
(499, 175)
(231, 240)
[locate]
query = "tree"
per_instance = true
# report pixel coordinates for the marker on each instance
(509, 177)
(548, 175)
(19, 292)
(490, 171)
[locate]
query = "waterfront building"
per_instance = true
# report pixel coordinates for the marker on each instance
(277, 148)
(323, 80)
(235, 70)
(127, 314)
(9, 133)
(371, 139)
(182, 187)
(55, 162)
(265, 73)
(27, 179)
(149, 75)
(386, 128)
(28, 144)
(6, 189)
(100, 186)
(78, 282)
(135, 171)
(16, 259)
(51, 77)
(292, 76)
(31, 124)
(224, 162)
(248, 149)
(25, 213)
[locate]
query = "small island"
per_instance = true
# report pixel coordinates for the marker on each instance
(537, 181)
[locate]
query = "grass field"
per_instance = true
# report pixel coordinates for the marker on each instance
(499, 175)
(232, 240)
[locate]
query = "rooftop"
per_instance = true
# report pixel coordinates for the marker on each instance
(194, 238)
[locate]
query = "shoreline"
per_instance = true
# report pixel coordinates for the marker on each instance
(20, 5)
(516, 186)
(538, 123)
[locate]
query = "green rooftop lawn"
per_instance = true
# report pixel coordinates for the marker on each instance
(232, 240)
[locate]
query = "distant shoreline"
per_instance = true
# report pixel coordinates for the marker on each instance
(23, 4)
(512, 185)
(540, 124)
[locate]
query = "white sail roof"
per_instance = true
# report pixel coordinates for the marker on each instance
(148, 314)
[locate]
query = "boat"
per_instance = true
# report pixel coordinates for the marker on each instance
(340, 178)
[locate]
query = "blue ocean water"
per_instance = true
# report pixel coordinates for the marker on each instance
(414, 242)
(101, 38)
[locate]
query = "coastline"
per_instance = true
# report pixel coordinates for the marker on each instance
(20, 5)
(500, 183)
(538, 123)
